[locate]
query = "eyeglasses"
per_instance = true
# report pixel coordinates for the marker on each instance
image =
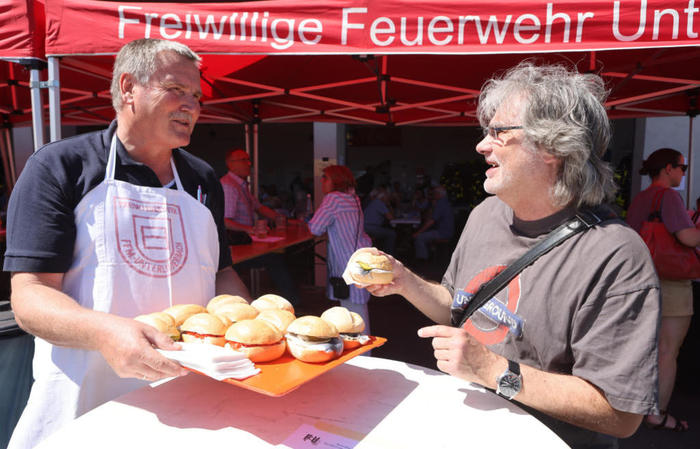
(683, 167)
(494, 131)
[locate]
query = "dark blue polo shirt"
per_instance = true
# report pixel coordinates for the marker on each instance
(40, 222)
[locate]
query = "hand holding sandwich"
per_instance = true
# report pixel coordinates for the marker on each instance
(396, 285)
(430, 298)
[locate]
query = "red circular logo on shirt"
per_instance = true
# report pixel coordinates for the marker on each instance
(485, 330)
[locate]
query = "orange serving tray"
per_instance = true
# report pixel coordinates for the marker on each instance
(279, 377)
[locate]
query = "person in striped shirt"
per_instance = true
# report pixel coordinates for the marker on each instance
(240, 205)
(240, 208)
(340, 215)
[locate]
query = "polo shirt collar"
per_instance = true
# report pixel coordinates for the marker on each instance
(123, 156)
(240, 181)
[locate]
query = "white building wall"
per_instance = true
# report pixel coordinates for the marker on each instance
(671, 132)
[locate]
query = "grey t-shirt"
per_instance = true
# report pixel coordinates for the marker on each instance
(589, 307)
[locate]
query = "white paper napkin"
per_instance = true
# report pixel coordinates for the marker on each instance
(213, 361)
(268, 239)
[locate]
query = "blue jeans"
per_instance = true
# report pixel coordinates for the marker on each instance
(423, 240)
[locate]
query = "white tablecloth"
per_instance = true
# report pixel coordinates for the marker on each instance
(394, 404)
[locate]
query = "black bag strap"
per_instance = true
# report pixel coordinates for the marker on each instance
(582, 221)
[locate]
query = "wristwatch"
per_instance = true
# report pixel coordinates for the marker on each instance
(510, 382)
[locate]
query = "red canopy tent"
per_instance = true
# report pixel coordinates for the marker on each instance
(21, 50)
(395, 62)
(377, 61)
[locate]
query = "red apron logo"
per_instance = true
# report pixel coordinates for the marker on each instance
(155, 243)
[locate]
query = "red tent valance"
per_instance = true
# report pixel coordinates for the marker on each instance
(22, 29)
(374, 26)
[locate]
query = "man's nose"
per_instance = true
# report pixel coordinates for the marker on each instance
(483, 146)
(191, 103)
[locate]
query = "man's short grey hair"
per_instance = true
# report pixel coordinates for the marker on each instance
(562, 113)
(140, 58)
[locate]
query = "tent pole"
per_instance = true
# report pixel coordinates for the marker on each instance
(5, 150)
(689, 176)
(246, 127)
(11, 158)
(256, 189)
(54, 99)
(37, 108)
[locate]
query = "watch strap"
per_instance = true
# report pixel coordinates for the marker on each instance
(514, 367)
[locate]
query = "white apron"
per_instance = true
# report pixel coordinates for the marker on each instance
(137, 250)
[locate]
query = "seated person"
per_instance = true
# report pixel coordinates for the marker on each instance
(419, 204)
(377, 214)
(439, 225)
(240, 215)
(241, 206)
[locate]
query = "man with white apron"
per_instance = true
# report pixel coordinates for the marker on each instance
(109, 225)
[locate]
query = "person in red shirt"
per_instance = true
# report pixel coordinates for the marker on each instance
(666, 168)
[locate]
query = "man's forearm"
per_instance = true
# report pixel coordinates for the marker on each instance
(565, 397)
(43, 310)
(236, 226)
(267, 212)
(432, 299)
(573, 400)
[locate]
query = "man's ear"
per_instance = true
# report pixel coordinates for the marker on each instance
(126, 88)
(549, 158)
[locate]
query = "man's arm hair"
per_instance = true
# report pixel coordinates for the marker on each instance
(42, 309)
(236, 226)
(267, 212)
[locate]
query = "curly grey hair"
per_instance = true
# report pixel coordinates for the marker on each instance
(562, 113)
(140, 58)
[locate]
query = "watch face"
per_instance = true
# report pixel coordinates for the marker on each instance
(509, 384)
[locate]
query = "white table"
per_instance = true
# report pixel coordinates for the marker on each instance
(413, 221)
(394, 404)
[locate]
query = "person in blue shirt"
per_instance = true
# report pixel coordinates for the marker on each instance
(377, 214)
(440, 224)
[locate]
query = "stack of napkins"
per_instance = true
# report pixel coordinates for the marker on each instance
(213, 361)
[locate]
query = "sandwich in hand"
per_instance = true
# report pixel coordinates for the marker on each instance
(259, 340)
(368, 268)
(203, 328)
(161, 321)
(311, 339)
(349, 324)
